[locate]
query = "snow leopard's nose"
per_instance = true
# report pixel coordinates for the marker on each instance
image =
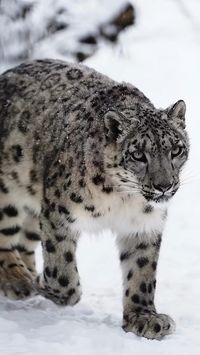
(163, 187)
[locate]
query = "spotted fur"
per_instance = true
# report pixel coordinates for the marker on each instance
(82, 153)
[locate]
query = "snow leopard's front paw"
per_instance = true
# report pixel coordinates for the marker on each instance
(148, 325)
(66, 294)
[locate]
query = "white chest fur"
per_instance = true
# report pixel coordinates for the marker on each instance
(124, 216)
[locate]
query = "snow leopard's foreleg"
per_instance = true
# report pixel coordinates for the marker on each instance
(139, 261)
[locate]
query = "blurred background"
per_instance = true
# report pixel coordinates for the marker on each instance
(155, 45)
(71, 30)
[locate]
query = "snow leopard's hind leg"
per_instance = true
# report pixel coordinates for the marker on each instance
(29, 240)
(19, 235)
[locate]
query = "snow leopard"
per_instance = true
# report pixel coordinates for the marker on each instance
(80, 152)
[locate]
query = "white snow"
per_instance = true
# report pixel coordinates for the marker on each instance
(161, 56)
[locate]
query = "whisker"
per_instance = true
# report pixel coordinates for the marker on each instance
(187, 181)
(189, 175)
(127, 192)
(124, 187)
(129, 181)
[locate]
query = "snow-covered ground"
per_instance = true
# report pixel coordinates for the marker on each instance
(161, 56)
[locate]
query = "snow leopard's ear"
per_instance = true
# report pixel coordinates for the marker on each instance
(113, 125)
(176, 113)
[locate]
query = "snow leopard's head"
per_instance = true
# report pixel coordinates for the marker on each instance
(149, 149)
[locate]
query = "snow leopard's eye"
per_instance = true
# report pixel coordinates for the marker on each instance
(176, 151)
(139, 156)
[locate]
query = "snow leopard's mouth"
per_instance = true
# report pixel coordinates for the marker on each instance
(161, 198)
